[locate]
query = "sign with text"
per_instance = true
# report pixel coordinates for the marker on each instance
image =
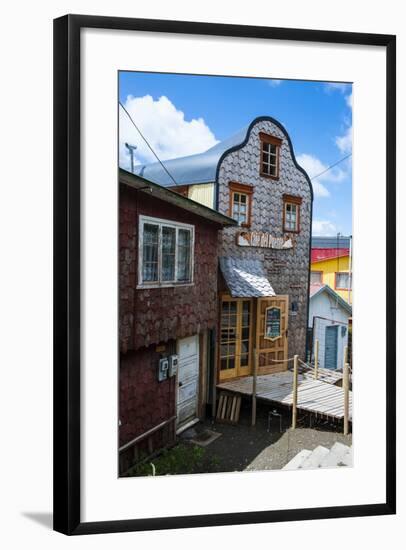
(263, 240)
(273, 323)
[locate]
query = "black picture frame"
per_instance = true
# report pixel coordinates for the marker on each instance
(67, 294)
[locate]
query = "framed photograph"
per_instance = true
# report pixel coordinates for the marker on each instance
(224, 274)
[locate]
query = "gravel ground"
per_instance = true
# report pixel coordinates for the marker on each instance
(243, 447)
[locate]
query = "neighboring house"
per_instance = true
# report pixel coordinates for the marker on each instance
(254, 178)
(168, 313)
(329, 318)
(331, 264)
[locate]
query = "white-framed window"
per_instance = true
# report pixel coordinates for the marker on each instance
(165, 252)
(269, 159)
(316, 277)
(240, 207)
(291, 217)
(343, 280)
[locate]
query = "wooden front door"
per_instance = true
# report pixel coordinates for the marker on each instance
(188, 379)
(235, 337)
(272, 333)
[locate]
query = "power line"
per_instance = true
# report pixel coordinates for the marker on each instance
(146, 141)
(332, 166)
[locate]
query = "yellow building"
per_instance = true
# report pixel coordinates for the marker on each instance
(331, 265)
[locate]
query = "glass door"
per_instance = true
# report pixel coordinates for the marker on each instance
(235, 337)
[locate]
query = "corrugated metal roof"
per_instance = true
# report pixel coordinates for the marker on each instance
(200, 168)
(331, 242)
(145, 186)
(321, 254)
(245, 278)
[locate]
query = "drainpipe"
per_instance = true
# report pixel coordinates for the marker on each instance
(350, 271)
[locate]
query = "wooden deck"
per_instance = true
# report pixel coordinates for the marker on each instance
(314, 396)
(324, 375)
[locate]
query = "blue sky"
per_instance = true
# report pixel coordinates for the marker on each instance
(186, 114)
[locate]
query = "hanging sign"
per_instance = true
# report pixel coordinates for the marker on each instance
(272, 323)
(263, 240)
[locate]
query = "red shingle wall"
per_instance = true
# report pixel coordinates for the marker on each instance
(149, 316)
(145, 402)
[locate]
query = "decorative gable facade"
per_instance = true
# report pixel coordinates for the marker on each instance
(262, 187)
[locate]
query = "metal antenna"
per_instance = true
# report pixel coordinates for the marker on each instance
(131, 148)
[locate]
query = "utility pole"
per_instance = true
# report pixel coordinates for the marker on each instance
(131, 148)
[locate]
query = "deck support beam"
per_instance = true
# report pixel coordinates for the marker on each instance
(294, 395)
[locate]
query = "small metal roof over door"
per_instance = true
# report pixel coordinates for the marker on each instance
(245, 278)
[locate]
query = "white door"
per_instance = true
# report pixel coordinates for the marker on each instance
(188, 380)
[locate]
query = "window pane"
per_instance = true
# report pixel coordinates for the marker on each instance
(184, 246)
(244, 347)
(233, 307)
(150, 252)
(342, 280)
(315, 277)
(168, 253)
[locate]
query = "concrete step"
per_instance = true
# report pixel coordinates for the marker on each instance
(347, 458)
(315, 458)
(335, 456)
(297, 460)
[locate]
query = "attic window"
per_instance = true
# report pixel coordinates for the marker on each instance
(270, 156)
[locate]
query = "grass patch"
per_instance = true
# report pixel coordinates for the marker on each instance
(182, 459)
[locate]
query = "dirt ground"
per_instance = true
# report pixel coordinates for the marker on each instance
(243, 447)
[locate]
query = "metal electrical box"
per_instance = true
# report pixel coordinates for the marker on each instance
(163, 369)
(173, 365)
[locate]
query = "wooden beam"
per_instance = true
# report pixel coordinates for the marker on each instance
(316, 359)
(294, 396)
(254, 389)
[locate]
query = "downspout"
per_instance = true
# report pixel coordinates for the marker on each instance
(350, 271)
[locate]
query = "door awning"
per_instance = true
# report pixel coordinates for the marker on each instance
(245, 278)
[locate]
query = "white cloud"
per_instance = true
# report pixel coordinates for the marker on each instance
(273, 83)
(340, 86)
(314, 167)
(165, 128)
(344, 142)
(348, 100)
(324, 228)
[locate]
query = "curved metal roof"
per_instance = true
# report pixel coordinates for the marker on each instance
(200, 168)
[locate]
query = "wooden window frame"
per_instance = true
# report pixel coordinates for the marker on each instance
(160, 283)
(242, 189)
(335, 280)
(317, 271)
(267, 138)
(297, 201)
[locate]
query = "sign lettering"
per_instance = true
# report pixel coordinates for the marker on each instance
(262, 239)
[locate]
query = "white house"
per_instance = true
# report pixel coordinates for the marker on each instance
(328, 322)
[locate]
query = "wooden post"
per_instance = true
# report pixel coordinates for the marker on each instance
(294, 398)
(346, 388)
(316, 359)
(254, 389)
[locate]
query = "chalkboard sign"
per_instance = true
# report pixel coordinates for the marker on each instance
(273, 323)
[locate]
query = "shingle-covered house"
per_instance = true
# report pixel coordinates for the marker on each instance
(264, 261)
(168, 313)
